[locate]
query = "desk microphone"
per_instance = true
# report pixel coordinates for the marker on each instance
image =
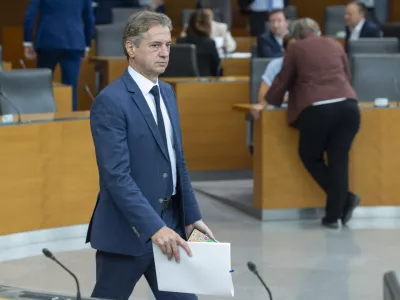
(252, 267)
(87, 89)
(219, 68)
(50, 255)
(22, 63)
(5, 98)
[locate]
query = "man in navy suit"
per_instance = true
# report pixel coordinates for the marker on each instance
(270, 44)
(145, 194)
(357, 24)
(63, 35)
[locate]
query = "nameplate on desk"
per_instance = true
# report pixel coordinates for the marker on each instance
(237, 55)
(7, 119)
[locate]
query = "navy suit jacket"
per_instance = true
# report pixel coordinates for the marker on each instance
(267, 46)
(132, 159)
(61, 24)
(369, 30)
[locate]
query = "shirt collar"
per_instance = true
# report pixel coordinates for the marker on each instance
(145, 85)
(359, 25)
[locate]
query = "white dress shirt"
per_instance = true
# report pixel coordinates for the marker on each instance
(145, 85)
(355, 33)
(266, 5)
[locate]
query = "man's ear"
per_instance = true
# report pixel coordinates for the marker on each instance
(130, 48)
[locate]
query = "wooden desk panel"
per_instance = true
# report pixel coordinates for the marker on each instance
(281, 181)
(213, 135)
(63, 97)
(49, 175)
(244, 43)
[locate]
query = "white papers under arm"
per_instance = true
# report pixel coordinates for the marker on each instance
(207, 272)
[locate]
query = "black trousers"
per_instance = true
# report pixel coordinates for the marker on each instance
(329, 128)
(257, 21)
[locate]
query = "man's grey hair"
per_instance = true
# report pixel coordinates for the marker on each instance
(138, 25)
(302, 28)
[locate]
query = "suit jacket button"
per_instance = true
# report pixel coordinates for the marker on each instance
(165, 175)
(161, 200)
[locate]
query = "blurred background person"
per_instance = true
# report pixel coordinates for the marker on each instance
(199, 34)
(258, 12)
(273, 68)
(63, 36)
(153, 5)
(358, 26)
(218, 30)
(270, 44)
(323, 106)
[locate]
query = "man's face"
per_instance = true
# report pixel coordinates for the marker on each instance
(353, 15)
(152, 56)
(278, 23)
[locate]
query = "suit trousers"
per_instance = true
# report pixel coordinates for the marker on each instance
(117, 275)
(70, 63)
(329, 128)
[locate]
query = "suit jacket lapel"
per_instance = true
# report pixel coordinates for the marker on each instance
(145, 110)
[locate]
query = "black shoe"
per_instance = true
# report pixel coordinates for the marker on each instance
(352, 202)
(330, 224)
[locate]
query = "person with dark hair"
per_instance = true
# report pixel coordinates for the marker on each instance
(258, 11)
(357, 24)
(218, 30)
(199, 34)
(270, 44)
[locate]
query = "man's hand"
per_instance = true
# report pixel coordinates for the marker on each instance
(85, 55)
(30, 53)
(200, 226)
(168, 241)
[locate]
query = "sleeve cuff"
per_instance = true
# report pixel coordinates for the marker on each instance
(196, 216)
(27, 44)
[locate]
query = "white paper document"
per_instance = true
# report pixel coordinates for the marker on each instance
(207, 272)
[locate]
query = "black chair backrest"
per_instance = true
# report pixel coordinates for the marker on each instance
(182, 61)
(30, 91)
(108, 40)
(391, 30)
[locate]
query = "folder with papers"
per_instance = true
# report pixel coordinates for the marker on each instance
(207, 272)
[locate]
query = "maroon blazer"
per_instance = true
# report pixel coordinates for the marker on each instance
(314, 69)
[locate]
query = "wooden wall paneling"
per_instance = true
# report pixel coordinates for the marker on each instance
(394, 11)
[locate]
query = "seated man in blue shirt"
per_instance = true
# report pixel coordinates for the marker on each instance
(270, 43)
(272, 69)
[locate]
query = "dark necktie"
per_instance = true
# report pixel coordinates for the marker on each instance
(160, 122)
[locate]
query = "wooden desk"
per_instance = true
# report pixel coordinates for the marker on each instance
(281, 181)
(236, 66)
(62, 97)
(213, 135)
(111, 68)
(48, 172)
(244, 43)
(7, 66)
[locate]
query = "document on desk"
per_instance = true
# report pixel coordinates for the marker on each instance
(207, 272)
